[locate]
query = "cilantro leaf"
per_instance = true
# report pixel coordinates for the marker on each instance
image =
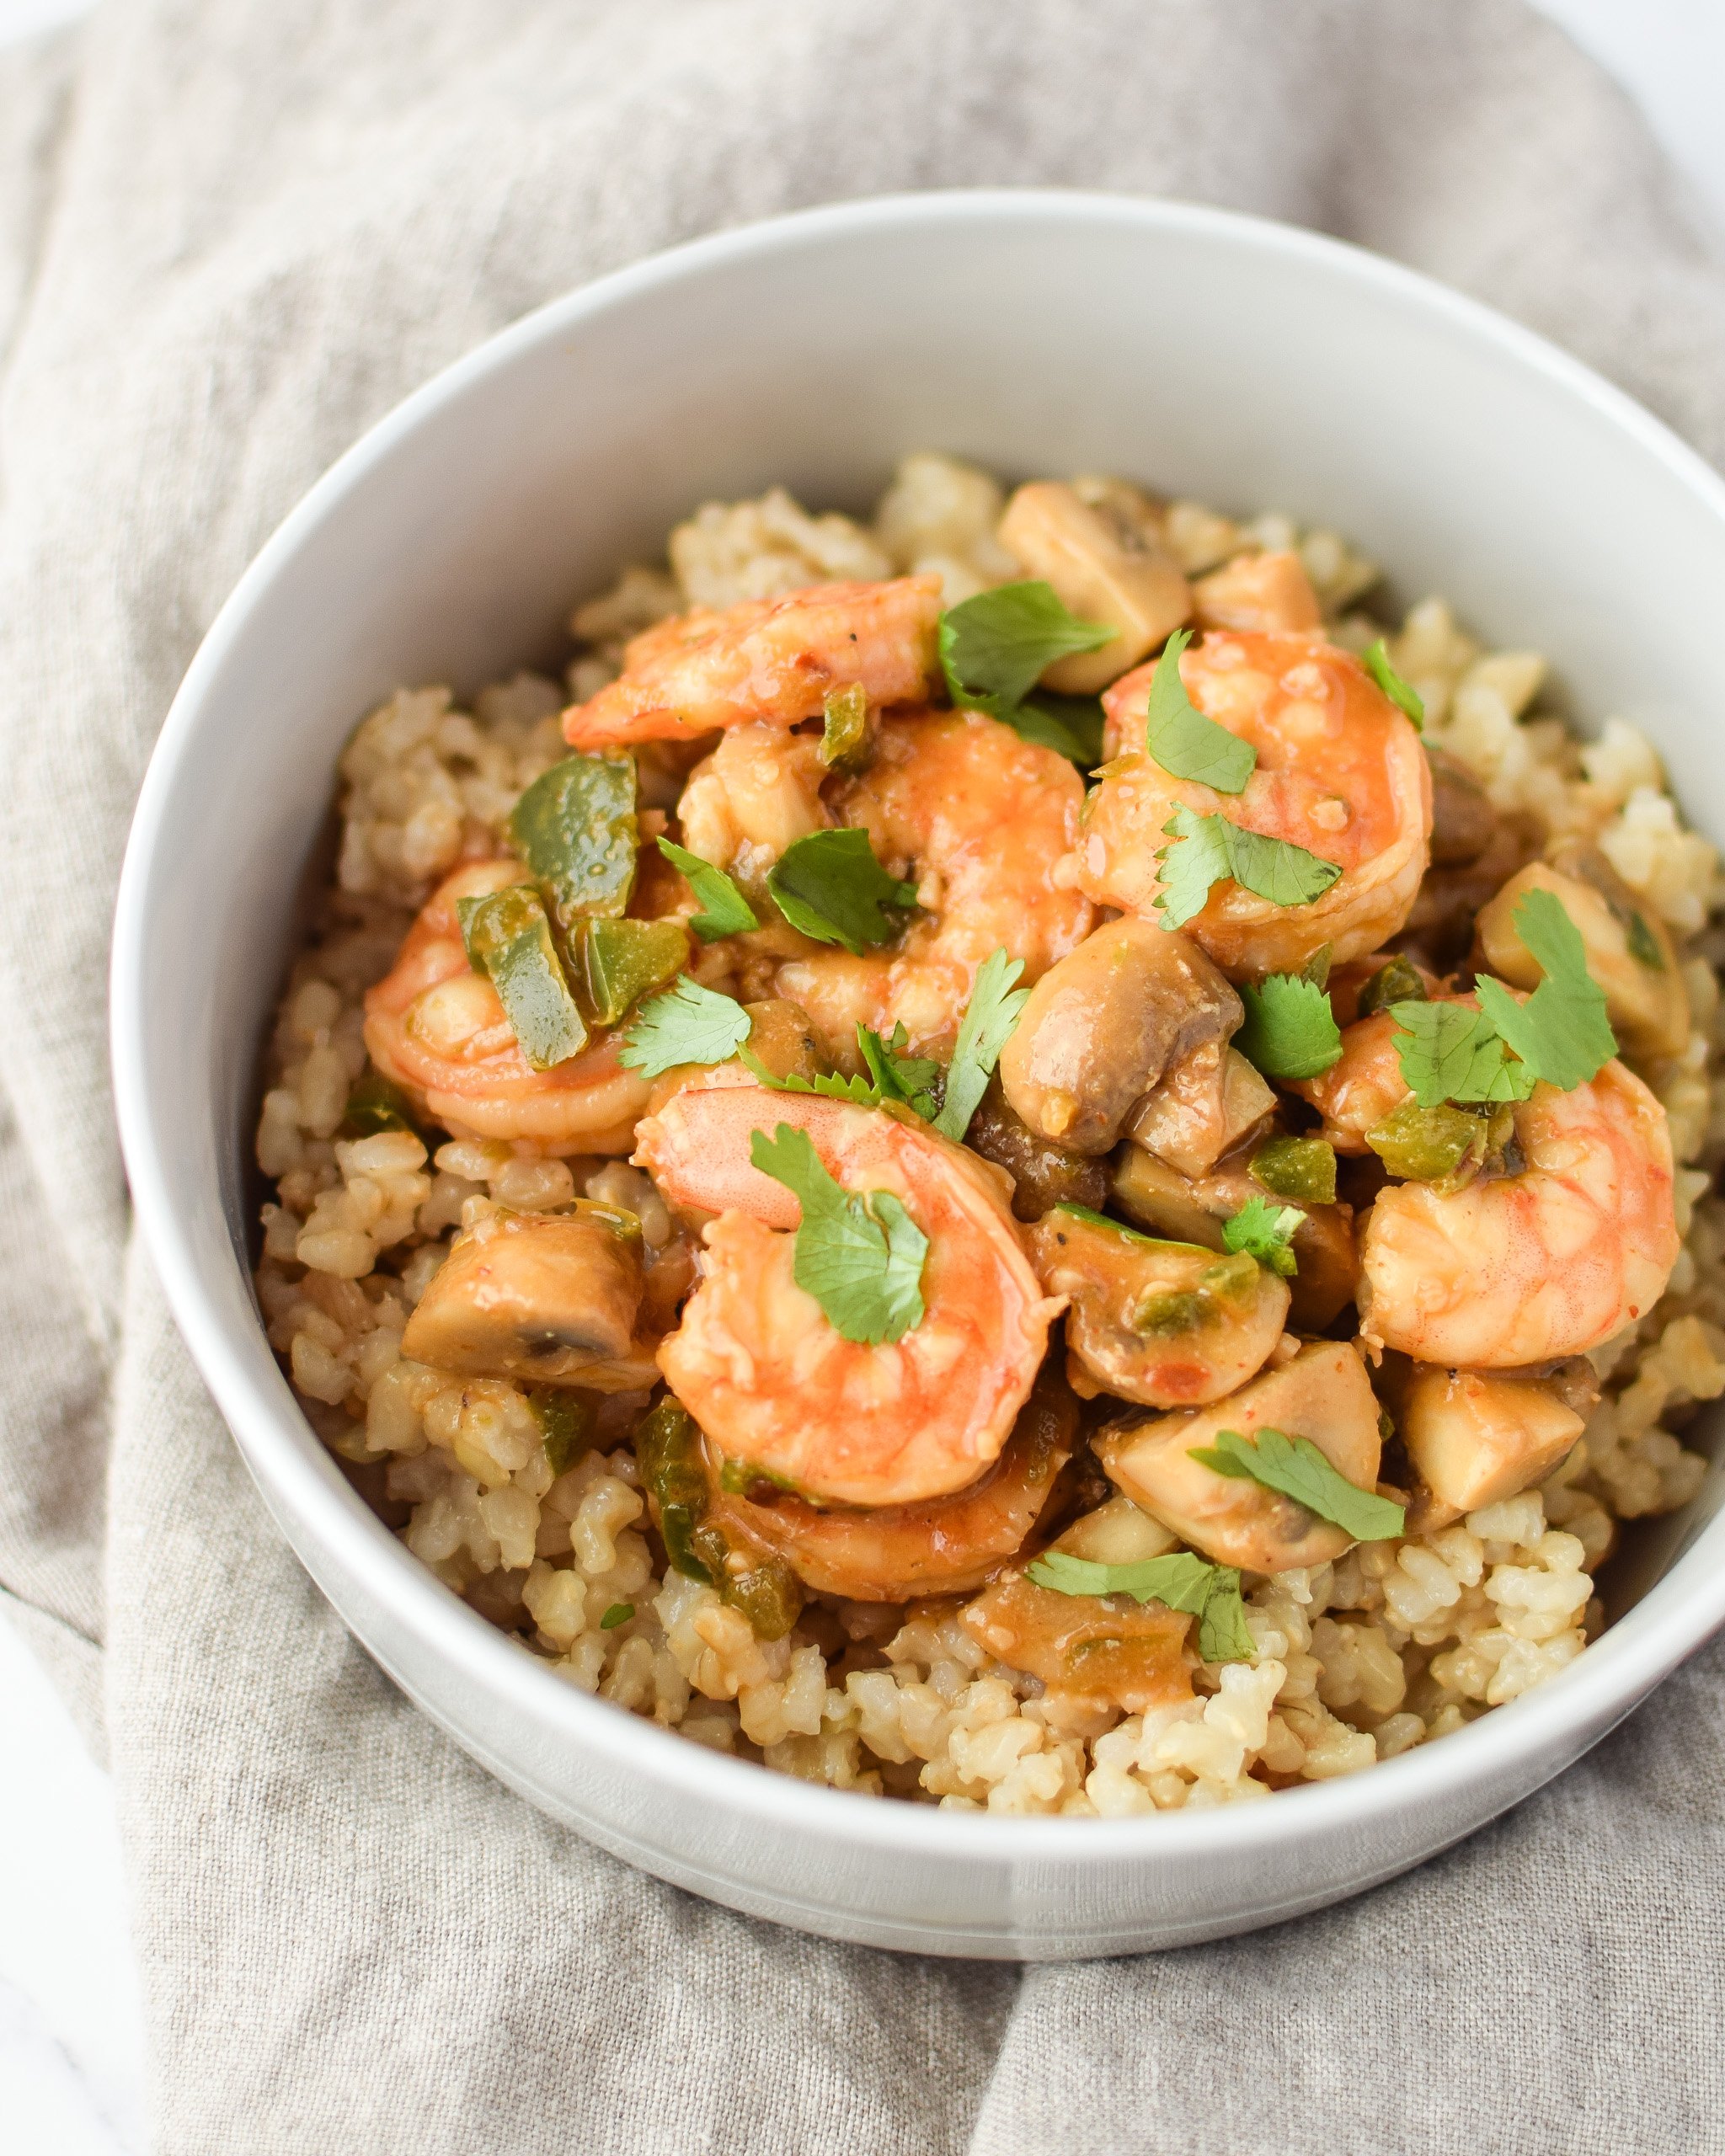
(1293, 1467)
(687, 1024)
(1184, 742)
(860, 1256)
(1072, 726)
(831, 887)
(1265, 1230)
(1400, 694)
(827, 1083)
(992, 1012)
(1210, 1592)
(907, 1078)
(1449, 1053)
(724, 911)
(1209, 849)
(1289, 1030)
(1561, 1033)
(994, 647)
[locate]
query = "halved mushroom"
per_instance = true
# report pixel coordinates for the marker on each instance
(1104, 567)
(1202, 1108)
(1475, 1439)
(549, 1296)
(1629, 949)
(1323, 1393)
(1257, 592)
(1104, 1023)
(1117, 1533)
(1160, 1323)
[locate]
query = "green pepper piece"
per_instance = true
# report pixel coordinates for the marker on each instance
(508, 936)
(1398, 982)
(1303, 1169)
(845, 732)
(576, 828)
(1443, 1145)
(566, 1423)
(622, 960)
(375, 1104)
(668, 1446)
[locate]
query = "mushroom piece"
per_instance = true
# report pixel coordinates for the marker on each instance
(1043, 1174)
(1257, 592)
(1104, 566)
(1159, 1323)
(1475, 1439)
(1629, 950)
(1201, 1109)
(1104, 1023)
(1092, 1652)
(1117, 1533)
(547, 1296)
(1323, 1394)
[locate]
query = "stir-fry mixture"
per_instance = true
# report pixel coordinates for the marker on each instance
(1011, 1156)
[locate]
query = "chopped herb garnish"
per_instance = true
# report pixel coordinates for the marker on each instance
(1207, 850)
(907, 1078)
(1400, 694)
(1449, 1053)
(995, 648)
(508, 937)
(859, 1256)
(1289, 1030)
(1265, 1231)
(1303, 1169)
(1293, 1467)
(622, 961)
(687, 1024)
(861, 1092)
(1210, 1592)
(1561, 1033)
(1185, 742)
(576, 828)
(830, 886)
(993, 1010)
(618, 1614)
(724, 911)
(845, 729)
(1072, 726)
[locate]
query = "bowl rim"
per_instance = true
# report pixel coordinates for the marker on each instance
(1676, 1615)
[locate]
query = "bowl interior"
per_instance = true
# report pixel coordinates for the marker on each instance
(1246, 365)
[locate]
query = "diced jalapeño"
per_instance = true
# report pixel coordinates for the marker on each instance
(667, 1445)
(576, 828)
(622, 961)
(844, 732)
(1442, 1145)
(375, 1104)
(1398, 982)
(508, 936)
(566, 1423)
(1302, 1169)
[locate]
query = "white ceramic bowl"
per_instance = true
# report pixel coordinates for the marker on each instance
(1211, 354)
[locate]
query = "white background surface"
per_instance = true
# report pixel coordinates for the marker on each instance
(70, 2051)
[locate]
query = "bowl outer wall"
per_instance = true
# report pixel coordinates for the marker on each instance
(1237, 361)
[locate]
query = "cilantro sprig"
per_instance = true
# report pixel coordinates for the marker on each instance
(994, 1010)
(860, 1255)
(687, 1024)
(1293, 1467)
(1265, 1231)
(994, 647)
(724, 911)
(1182, 740)
(830, 886)
(1208, 850)
(908, 1079)
(1405, 697)
(1210, 1592)
(1289, 1030)
(1562, 1033)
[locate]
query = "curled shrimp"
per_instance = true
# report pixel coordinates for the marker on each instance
(1362, 1086)
(754, 1359)
(1546, 1263)
(978, 819)
(437, 1027)
(768, 658)
(1340, 772)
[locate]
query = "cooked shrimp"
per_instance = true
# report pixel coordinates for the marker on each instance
(889, 1553)
(768, 658)
(1340, 772)
(1362, 1086)
(1549, 1262)
(757, 793)
(437, 1027)
(978, 819)
(754, 1359)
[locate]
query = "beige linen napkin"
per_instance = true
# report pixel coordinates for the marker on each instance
(232, 235)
